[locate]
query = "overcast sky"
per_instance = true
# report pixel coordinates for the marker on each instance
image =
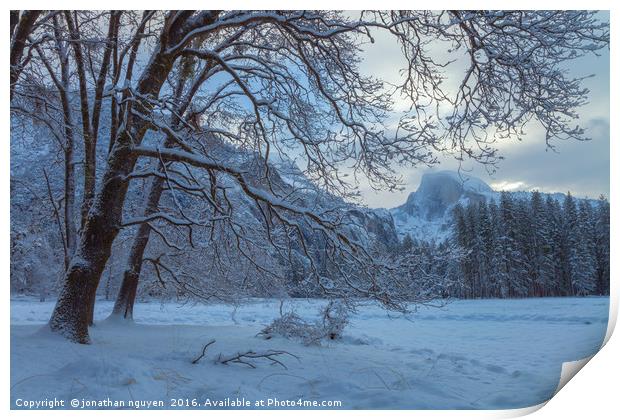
(579, 167)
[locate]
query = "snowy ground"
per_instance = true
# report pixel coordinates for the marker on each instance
(469, 354)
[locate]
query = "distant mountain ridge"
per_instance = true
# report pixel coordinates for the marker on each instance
(426, 215)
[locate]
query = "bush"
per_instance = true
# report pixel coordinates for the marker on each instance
(333, 320)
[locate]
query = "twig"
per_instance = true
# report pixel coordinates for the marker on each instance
(204, 350)
(251, 355)
(56, 214)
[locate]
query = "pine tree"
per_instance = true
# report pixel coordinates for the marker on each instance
(555, 265)
(475, 249)
(486, 245)
(462, 237)
(587, 247)
(407, 243)
(579, 267)
(541, 244)
(602, 246)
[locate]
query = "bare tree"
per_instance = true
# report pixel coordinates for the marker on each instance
(59, 36)
(72, 312)
(288, 84)
(123, 306)
(37, 102)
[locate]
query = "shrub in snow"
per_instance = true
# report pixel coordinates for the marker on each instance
(290, 325)
(333, 320)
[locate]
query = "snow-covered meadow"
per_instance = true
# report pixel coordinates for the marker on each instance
(478, 354)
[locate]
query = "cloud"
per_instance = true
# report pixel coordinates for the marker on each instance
(579, 167)
(510, 186)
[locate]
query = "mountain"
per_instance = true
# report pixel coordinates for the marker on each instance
(426, 215)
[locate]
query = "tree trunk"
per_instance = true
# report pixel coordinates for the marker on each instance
(123, 307)
(71, 315)
(87, 131)
(91, 308)
(70, 231)
(20, 33)
(90, 141)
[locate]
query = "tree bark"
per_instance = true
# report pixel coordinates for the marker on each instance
(20, 34)
(123, 306)
(91, 160)
(70, 231)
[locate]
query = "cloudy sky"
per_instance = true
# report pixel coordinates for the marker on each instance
(579, 167)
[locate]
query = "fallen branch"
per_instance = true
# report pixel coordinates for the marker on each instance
(246, 357)
(204, 350)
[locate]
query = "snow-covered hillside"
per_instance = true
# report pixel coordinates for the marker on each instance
(470, 354)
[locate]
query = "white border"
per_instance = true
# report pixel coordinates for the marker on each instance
(593, 394)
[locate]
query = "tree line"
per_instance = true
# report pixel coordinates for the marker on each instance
(524, 246)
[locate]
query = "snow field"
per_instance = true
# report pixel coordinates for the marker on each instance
(469, 354)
